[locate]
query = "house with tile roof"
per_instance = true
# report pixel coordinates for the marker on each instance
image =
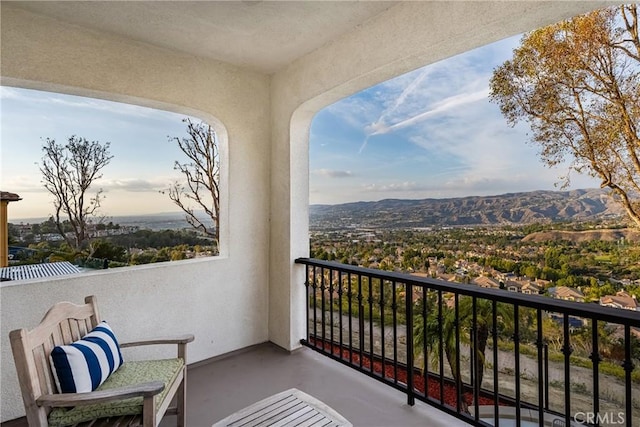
(530, 288)
(620, 300)
(566, 293)
(486, 282)
(513, 285)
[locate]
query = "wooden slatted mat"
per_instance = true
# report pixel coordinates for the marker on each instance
(289, 408)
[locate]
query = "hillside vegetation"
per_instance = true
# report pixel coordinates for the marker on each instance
(584, 236)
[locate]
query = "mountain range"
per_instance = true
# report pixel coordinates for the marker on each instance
(512, 208)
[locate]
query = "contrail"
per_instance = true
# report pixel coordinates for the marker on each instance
(442, 106)
(364, 144)
(405, 93)
(379, 127)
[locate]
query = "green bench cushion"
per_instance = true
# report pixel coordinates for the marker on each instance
(130, 373)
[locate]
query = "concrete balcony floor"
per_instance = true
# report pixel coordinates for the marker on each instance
(226, 384)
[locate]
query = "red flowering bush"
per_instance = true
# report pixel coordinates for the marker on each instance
(392, 372)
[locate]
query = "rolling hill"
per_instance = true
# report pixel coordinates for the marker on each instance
(512, 208)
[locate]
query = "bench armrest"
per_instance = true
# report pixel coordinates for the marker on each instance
(76, 399)
(181, 339)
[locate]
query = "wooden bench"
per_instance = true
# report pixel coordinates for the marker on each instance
(136, 394)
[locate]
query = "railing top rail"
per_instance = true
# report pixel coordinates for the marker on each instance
(593, 311)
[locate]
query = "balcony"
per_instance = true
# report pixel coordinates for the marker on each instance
(145, 53)
(347, 348)
(485, 356)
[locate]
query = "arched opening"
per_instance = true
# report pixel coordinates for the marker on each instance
(429, 133)
(142, 178)
(469, 155)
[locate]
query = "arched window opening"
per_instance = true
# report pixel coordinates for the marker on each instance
(105, 184)
(459, 171)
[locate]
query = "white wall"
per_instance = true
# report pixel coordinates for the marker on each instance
(401, 39)
(223, 301)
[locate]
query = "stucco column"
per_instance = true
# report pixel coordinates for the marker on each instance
(289, 236)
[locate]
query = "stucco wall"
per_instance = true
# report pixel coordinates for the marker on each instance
(223, 301)
(401, 39)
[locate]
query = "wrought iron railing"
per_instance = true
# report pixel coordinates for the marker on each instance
(435, 340)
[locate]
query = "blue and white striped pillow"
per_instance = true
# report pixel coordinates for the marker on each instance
(85, 364)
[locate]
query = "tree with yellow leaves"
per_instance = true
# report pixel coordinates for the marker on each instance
(577, 84)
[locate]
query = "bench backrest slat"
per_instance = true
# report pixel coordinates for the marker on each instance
(63, 324)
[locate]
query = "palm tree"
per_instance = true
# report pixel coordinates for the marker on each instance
(460, 328)
(484, 324)
(440, 338)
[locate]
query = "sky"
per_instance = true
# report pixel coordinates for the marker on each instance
(430, 133)
(143, 157)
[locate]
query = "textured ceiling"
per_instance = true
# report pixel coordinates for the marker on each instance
(261, 35)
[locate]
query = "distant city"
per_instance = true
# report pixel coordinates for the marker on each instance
(154, 222)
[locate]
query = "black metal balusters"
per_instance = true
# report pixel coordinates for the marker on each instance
(566, 350)
(541, 379)
(410, 363)
(444, 311)
(595, 359)
(516, 342)
(628, 368)
(350, 302)
(496, 392)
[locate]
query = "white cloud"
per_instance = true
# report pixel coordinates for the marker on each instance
(135, 185)
(48, 100)
(394, 187)
(23, 184)
(110, 107)
(30, 184)
(329, 173)
(354, 111)
(10, 93)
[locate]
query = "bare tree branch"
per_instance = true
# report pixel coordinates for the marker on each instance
(68, 172)
(201, 178)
